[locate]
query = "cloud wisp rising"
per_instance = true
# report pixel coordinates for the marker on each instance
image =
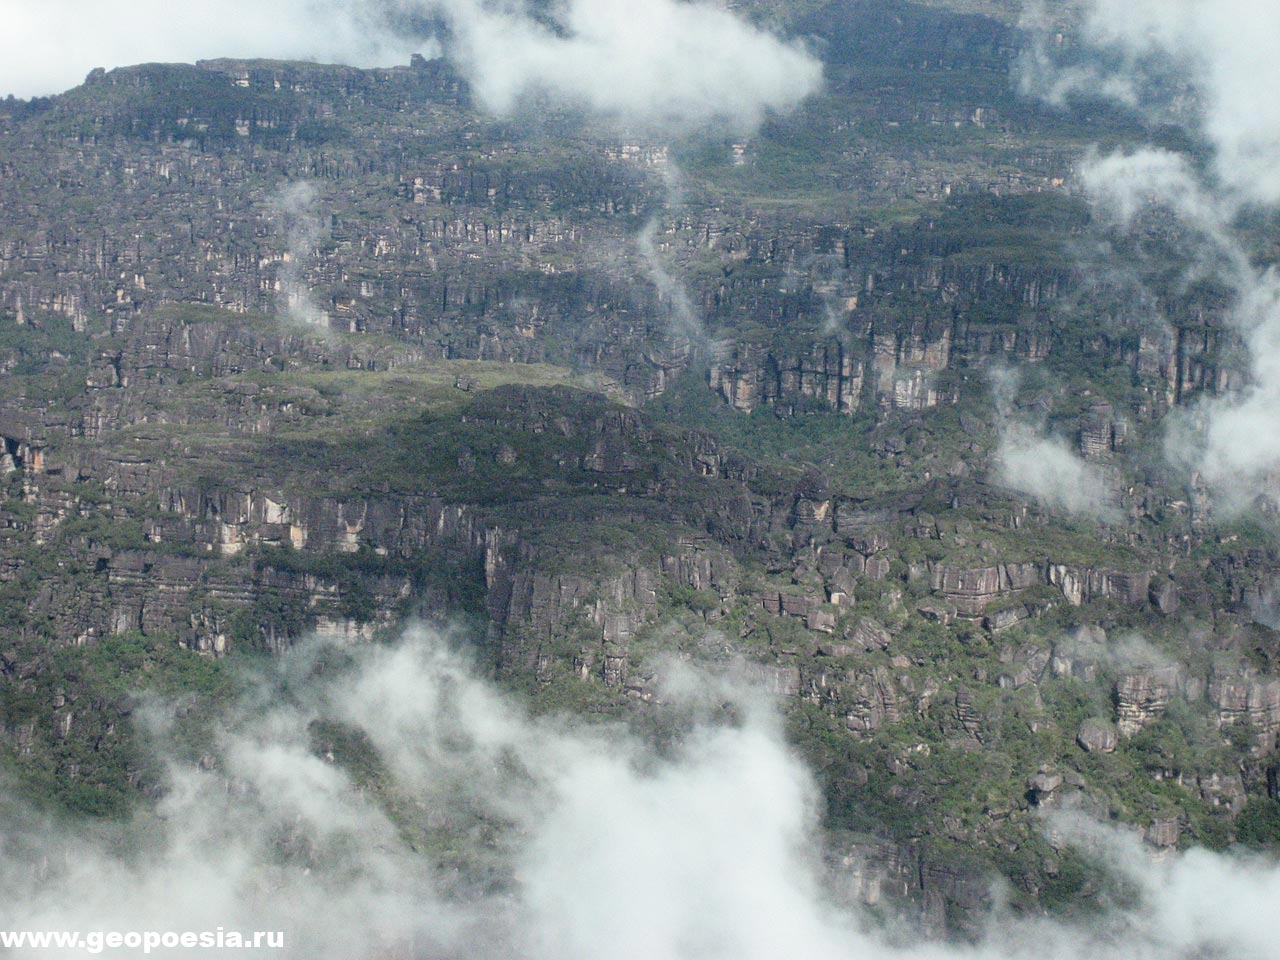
(294, 209)
(1029, 461)
(1227, 55)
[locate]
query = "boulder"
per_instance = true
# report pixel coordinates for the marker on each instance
(1098, 736)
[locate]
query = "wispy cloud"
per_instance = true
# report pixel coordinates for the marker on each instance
(1216, 66)
(295, 209)
(582, 840)
(1049, 471)
(1029, 461)
(655, 62)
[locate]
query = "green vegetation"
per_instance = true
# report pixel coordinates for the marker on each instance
(227, 482)
(1259, 823)
(75, 742)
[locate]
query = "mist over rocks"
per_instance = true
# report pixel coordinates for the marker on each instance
(619, 374)
(658, 62)
(48, 47)
(1208, 68)
(299, 222)
(344, 774)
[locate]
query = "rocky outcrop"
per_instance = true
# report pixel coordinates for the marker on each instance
(869, 700)
(1026, 666)
(1163, 832)
(901, 879)
(1250, 702)
(1141, 697)
(1098, 736)
(1082, 585)
(864, 635)
(972, 589)
(827, 376)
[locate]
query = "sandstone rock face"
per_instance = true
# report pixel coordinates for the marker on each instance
(1083, 585)
(1101, 433)
(1045, 782)
(967, 714)
(1164, 832)
(1006, 617)
(872, 700)
(781, 681)
(1223, 790)
(870, 634)
(702, 565)
(1141, 698)
(539, 606)
(1026, 666)
(1164, 596)
(750, 379)
(970, 590)
(888, 875)
(1249, 701)
(1080, 654)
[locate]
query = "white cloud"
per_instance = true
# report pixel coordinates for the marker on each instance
(643, 61)
(705, 851)
(1227, 53)
(649, 60)
(47, 46)
(1041, 467)
(1230, 51)
(1049, 471)
(1231, 441)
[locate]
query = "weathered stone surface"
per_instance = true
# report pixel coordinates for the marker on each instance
(1164, 596)
(1006, 617)
(1249, 701)
(872, 699)
(781, 681)
(877, 567)
(1098, 736)
(969, 590)
(869, 634)
(1082, 584)
(1225, 790)
(1080, 654)
(967, 714)
(1141, 697)
(937, 612)
(1101, 434)
(1026, 666)
(1045, 782)
(821, 621)
(866, 542)
(1164, 832)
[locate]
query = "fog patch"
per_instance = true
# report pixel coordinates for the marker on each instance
(592, 842)
(1047, 470)
(646, 62)
(295, 211)
(1231, 442)
(1030, 462)
(655, 61)
(576, 840)
(1213, 66)
(686, 327)
(1227, 50)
